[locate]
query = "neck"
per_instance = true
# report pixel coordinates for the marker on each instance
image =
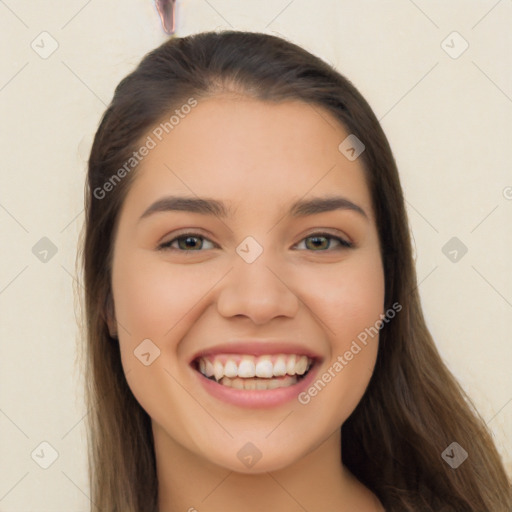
(316, 482)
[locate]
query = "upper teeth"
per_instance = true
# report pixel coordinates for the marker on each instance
(225, 365)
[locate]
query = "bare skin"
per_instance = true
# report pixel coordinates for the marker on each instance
(257, 158)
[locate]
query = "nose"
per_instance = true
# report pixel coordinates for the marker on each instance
(258, 291)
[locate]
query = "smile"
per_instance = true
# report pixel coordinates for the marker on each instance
(255, 372)
(265, 374)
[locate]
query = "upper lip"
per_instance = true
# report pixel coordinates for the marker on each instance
(257, 348)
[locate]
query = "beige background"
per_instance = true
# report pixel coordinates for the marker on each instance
(448, 120)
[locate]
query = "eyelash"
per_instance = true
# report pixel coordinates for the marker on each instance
(344, 244)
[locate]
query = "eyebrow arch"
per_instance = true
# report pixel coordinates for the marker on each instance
(316, 205)
(204, 206)
(207, 206)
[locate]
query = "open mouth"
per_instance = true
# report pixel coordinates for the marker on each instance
(248, 372)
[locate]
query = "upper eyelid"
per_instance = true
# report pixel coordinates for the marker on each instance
(185, 234)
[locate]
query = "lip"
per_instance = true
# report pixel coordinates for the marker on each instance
(258, 348)
(258, 398)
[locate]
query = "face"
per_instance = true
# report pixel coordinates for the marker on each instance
(238, 321)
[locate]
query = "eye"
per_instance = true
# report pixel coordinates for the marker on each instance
(186, 243)
(322, 241)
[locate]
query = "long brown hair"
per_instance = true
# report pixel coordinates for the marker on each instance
(413, 408)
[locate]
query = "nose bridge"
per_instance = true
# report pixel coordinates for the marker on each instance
(255, 288)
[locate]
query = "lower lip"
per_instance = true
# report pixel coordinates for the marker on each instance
(257, 398)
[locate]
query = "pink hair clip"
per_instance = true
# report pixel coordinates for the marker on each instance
(167, 11)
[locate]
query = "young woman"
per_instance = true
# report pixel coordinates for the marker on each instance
(255, 339)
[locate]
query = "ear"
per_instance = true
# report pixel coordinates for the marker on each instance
(110, 315)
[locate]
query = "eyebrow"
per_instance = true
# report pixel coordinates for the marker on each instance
(207, 206)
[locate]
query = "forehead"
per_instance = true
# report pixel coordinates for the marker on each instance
(246, 151)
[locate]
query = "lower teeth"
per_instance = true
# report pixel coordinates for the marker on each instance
(259, 383)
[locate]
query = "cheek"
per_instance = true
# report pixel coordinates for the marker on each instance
(348, 297)
(151, 297)
(153, 301)
(349, 304)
